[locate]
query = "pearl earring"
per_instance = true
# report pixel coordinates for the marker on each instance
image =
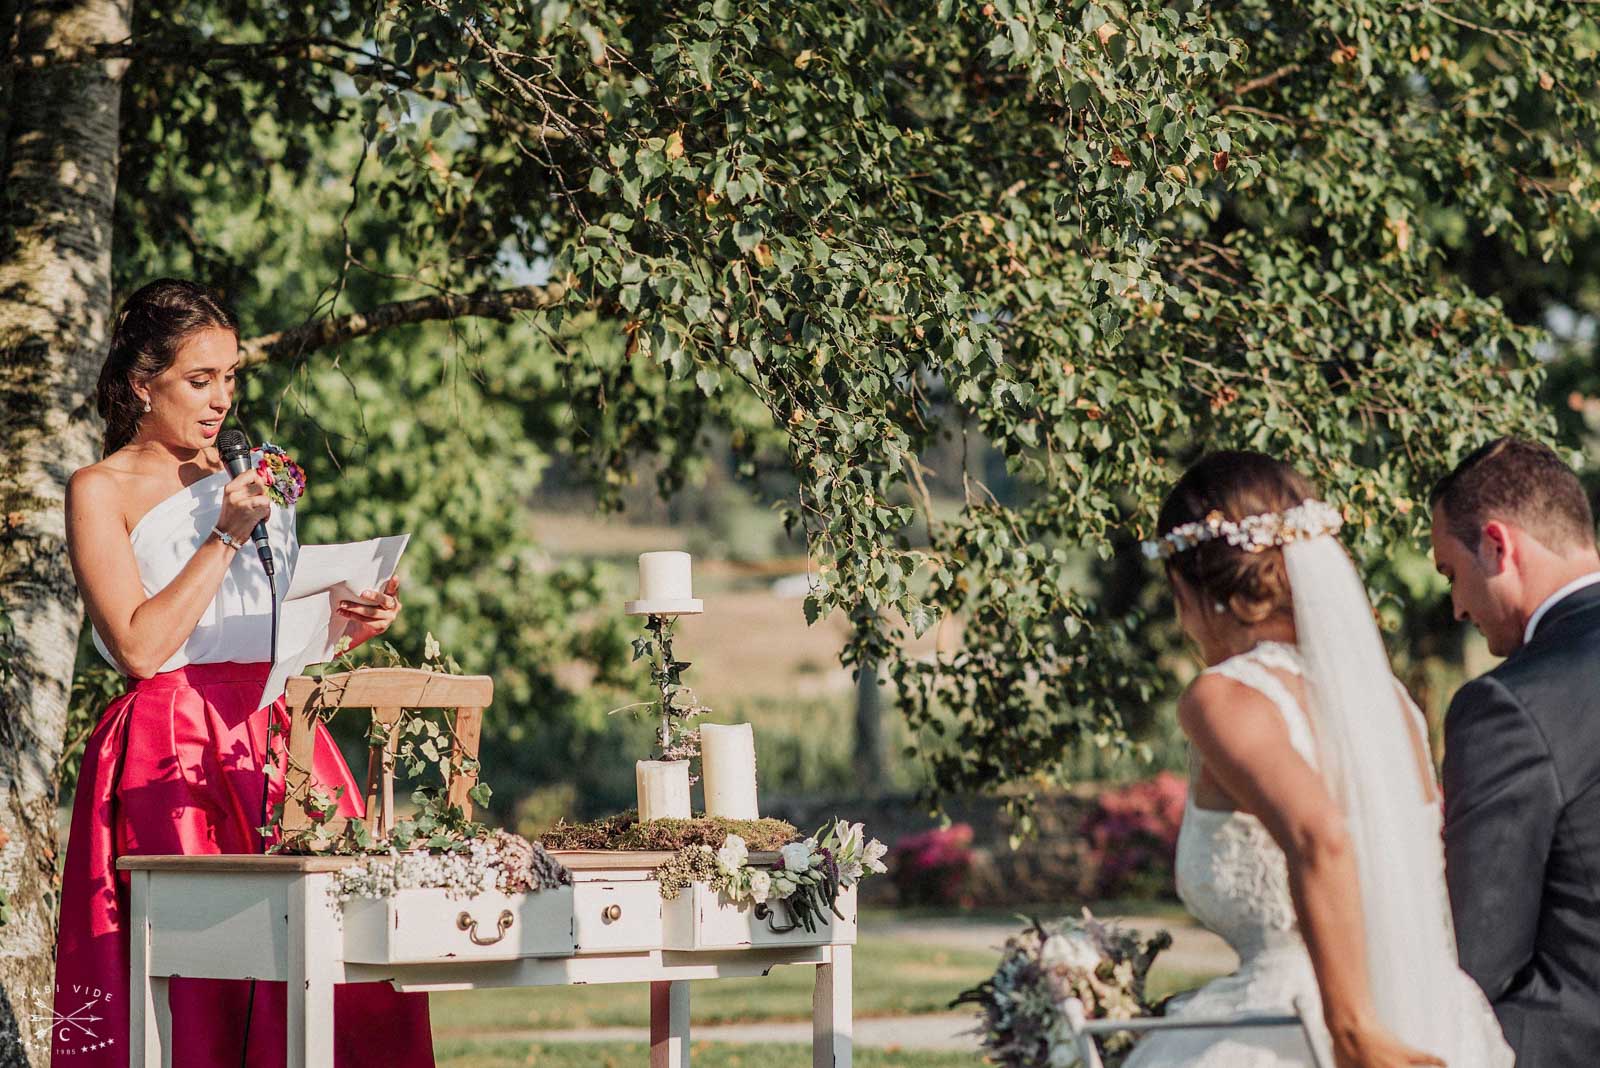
(147, 406)
(1218, 607)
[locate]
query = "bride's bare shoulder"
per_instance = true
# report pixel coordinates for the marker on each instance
(1214, 703)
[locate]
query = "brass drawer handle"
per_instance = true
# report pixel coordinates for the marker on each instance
(466, 923)
(769, 914)
(611, 913)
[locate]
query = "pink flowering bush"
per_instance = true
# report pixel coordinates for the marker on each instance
(931, 867)
(1133, 836)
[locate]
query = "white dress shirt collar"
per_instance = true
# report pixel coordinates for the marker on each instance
(1583, 582)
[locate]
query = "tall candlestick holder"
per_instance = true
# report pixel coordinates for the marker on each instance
(665, 593)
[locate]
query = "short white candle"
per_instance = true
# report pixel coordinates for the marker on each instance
(663, 789)
(665, 576)
(728, 768)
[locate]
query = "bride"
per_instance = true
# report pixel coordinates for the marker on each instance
(1311, 835)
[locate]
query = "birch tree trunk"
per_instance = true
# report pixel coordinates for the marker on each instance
(57, 180)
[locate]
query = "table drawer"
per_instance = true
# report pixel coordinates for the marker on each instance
(700, 918)
(613, 917)
(420, 925)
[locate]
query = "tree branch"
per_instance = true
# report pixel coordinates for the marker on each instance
(334, 330)
(1266, 79)
(324, 51)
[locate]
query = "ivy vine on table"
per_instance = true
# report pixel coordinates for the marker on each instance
(435, 824)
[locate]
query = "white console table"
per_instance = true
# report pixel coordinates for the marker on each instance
(272, 918)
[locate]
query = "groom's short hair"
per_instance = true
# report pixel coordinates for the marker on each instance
(1521, 482)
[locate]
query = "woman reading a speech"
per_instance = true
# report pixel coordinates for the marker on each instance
(175, 765)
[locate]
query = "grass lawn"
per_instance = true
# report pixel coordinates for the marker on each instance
(1165, 912)
(467, 1053)
(892, 978)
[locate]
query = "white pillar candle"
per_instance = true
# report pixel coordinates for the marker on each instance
(728, 768)
(663, 789)
(665, 577)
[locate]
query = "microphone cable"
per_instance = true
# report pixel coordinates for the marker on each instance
(266, 781)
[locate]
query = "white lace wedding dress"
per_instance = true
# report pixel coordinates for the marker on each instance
(1234, 879)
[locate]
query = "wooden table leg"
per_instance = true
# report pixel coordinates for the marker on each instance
(161, 1004)
(669, 1024)
(310, 1016)
(149, 1012)
(832, 1019)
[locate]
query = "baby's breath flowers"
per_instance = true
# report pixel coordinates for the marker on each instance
(499, 861)
(689, 865)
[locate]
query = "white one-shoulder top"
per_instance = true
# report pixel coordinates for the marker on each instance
(237, 625)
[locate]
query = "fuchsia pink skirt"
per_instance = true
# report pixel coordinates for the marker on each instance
(174, 766)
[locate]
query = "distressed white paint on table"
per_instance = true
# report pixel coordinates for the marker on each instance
(272, 918)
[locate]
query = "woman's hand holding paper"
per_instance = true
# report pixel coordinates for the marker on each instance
(373, 613)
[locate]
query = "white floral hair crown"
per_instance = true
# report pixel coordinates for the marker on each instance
(1254, 533)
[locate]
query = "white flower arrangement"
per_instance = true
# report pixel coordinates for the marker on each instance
(499, 861)
(807, 878)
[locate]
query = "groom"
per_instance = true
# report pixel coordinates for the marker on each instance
(1513, 533)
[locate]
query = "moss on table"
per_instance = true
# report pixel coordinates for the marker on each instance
(624, 831)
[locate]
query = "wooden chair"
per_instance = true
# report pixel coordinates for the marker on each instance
(388, 692)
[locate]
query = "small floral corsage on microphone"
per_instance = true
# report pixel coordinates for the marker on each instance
(285, 479)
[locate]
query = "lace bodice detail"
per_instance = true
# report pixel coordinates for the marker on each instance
(1230, 873)
(1235, 880)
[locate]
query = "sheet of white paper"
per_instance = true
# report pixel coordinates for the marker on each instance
(309, 628)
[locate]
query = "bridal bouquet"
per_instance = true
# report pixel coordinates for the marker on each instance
(1102, 965)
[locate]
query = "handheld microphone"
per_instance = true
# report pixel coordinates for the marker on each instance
(235, 450)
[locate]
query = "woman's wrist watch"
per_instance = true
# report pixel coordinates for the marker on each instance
(227, 539)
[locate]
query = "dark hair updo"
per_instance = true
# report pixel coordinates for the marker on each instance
(153, 323)
(1253, 586)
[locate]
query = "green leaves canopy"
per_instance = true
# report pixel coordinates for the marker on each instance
(1104, 237)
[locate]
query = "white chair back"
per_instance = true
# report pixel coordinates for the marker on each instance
(1084, 1030)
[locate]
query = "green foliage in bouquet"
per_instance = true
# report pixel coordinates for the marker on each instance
(1103, 965)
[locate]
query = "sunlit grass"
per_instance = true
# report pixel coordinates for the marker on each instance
(468, 1053)
(892, 978)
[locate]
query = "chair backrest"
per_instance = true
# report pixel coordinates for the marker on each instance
(388, 692)
(1084, 1031)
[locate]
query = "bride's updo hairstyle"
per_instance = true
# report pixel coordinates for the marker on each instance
(1253, 586)
(153, 324)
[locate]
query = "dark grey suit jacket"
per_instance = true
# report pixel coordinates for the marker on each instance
(1522, 836)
